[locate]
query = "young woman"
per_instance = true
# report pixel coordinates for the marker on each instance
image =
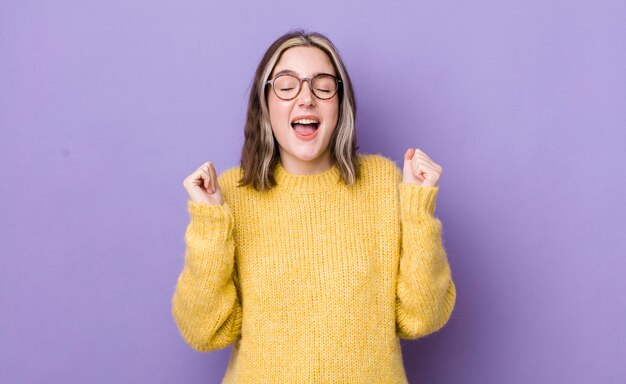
(313, 259)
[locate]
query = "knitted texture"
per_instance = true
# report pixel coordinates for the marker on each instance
(315, 281)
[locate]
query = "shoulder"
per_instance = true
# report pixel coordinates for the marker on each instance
(230, 175)
(376, 168)
(229, 179)
(229, 183)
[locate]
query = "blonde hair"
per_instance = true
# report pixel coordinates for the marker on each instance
(260, 149)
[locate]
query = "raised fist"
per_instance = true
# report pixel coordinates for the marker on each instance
(202, 185)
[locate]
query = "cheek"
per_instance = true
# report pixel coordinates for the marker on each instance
(332, 113)
(279, 113)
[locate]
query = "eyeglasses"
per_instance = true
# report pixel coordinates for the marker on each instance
(287, 86)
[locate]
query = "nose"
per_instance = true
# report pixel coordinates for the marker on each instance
(306, 95)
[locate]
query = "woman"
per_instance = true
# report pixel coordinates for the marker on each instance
(312, 258)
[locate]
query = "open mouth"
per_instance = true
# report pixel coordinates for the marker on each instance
(305, 126)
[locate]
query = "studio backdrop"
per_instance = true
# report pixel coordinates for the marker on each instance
(106, 106)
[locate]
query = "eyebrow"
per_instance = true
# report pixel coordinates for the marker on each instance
(290, 72)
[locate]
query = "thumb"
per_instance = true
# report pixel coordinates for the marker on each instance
(408, 157)
(215, 185)
(408, 174)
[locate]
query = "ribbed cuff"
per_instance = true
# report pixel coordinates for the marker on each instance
(417, 200)
(206, 216)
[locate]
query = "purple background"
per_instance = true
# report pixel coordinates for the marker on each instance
(105, 107)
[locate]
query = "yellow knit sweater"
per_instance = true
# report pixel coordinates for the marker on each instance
(314, 280)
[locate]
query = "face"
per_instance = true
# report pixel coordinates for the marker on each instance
(303, 144)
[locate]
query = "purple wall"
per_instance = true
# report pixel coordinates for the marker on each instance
(106, 106)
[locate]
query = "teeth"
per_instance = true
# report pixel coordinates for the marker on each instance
(305, 121)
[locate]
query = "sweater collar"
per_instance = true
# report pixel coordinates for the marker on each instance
(329, 179)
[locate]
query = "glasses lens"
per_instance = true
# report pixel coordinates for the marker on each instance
(286, 86)
(324, 86)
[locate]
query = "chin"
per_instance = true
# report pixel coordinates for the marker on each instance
(308, 154)
(307, 157)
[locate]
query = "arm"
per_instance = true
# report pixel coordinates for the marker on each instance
(425, 294)
(206, 304)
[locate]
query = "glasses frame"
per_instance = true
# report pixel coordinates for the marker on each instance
(309, 80)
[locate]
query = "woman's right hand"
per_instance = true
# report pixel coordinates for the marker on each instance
(202, 185)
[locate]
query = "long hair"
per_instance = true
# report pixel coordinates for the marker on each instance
(260, 153)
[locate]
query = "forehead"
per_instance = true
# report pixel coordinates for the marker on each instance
(304, 61)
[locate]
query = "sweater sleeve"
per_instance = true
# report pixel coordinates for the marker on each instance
(206, 305)
(425, 292)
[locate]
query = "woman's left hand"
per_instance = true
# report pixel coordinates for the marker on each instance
(420, 169)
